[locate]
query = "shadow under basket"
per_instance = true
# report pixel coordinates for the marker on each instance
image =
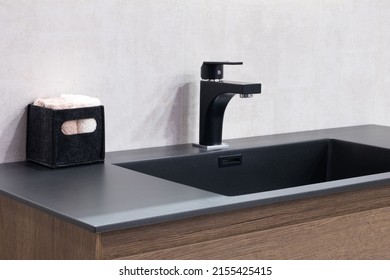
(49, 146)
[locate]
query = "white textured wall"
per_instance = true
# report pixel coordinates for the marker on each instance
(322, 64)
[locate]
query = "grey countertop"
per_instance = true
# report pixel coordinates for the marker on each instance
(106, 197)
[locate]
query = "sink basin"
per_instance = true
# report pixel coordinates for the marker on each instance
(252, 170)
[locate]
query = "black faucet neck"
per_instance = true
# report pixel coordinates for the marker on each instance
(212, 109)
(214, 98)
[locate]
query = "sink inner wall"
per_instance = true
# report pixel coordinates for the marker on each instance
(269, 168)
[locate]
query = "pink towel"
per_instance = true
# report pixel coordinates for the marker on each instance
(69, 128)
(69, 101)
(57, 103)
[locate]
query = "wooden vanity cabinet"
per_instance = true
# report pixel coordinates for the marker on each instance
(348, 225)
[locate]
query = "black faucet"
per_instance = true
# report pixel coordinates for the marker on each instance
(215, 95)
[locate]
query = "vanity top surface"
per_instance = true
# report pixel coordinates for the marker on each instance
(106, 197)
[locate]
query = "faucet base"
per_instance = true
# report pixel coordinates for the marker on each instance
(212, 147)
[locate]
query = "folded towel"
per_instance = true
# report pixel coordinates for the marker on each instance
(70, 101)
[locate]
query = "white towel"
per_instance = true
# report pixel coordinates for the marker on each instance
(81, 101)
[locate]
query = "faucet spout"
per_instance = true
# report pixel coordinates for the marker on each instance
(214, 98)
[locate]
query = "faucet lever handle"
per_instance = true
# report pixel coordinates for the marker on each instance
(212, 70)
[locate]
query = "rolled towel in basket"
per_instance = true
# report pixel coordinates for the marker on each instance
(81, 101)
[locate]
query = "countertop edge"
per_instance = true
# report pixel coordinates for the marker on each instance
(370, 133)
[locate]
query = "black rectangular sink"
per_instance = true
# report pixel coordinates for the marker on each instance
(252, 170)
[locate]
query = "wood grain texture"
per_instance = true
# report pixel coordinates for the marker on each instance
(363, 235)
(27, 233)
(151, 241)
